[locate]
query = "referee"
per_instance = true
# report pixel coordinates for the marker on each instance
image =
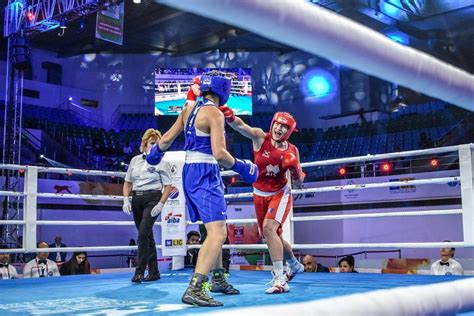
(149, 187)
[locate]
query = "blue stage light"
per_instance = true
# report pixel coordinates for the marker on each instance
(319, 84)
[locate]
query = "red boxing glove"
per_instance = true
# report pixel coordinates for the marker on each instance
(291, 163)
(228, 113)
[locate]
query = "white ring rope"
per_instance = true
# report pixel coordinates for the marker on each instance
(446, 298)
(246, 195)
(83, 172)
(12, 222)
(369, 157)
(375, 215)
(88, 223)
(385, 245)
(358, 186)
(317, 30)
(12, 193)
(81, 196)
(251, 221)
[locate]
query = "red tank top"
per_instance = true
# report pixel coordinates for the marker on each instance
(271, 175)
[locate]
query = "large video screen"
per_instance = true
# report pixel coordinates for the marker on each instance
(172, 86)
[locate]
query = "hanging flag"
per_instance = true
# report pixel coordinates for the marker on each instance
(109, 24)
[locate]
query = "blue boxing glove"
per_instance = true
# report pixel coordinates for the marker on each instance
(154, 155)
(248, 170)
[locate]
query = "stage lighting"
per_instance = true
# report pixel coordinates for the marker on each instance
(319, 85)
(342, 171)
(41, 156)
(63, 23)
(386, 167)
(69, 99)
(69, 173)
(137, 1)
(30, 16)
(434, 162)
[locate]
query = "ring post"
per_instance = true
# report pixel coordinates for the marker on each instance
(466, 167)
(29, 209)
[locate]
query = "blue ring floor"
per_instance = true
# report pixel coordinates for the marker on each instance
(106, 294)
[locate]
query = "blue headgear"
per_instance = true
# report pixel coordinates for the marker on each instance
(217, 85)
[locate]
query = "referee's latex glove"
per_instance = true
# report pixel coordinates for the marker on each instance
(127, 206)
(155, 211)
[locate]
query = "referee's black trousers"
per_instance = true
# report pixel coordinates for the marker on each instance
(142, 205)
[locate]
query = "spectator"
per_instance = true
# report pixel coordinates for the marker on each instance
(447, 265)
(127, 150)
(346, 265)
(57, 256)
(78, 264)
(194, 238)
(40, 266)
(7, 271)
(310, 265)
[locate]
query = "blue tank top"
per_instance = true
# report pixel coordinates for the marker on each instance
(192, 141)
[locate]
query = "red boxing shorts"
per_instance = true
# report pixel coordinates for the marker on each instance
(272, 205)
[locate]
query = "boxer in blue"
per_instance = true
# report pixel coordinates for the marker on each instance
(203, 126)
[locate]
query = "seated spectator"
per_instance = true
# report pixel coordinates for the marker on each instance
(78, 264)
(41, 266)
(346, 265)
(192, 254)
(447, 265)
(7, 271)
(57, 256)
(127, 150)
(310, 265)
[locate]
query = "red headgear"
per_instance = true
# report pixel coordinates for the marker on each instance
(287, 119)
(196, 80)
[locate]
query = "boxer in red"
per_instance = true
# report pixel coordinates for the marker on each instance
(193, 92)
(274, 155)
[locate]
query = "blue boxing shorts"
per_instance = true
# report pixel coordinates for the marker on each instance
(204, 192)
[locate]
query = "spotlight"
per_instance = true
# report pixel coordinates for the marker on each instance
(122, 163)
(434, 162)
(342, 171)
(41, 156)
(137, 1)
(30, 16)
(386, 167)
(69, 99)
(69, 173)
(63, 23)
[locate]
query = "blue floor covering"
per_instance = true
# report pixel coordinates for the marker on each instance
(113, 294)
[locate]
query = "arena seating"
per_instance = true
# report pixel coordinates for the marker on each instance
(103, 149)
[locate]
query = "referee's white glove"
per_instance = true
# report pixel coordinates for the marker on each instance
(155, 211)
(127, 206)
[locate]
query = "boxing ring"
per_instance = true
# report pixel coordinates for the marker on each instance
(329, 293)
